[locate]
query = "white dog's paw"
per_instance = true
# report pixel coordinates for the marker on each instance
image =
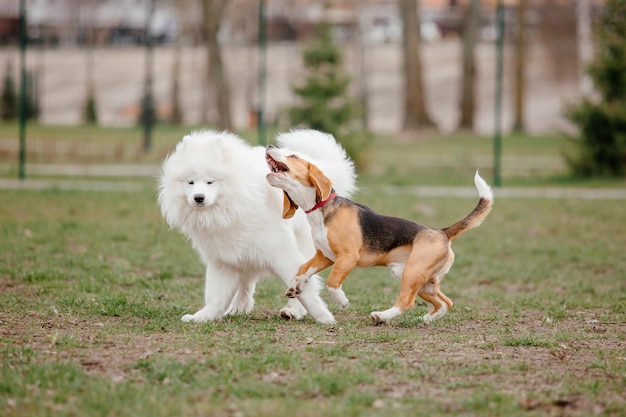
(189, 318)
(326, 319)
(200, 316)
(319, 316)
(238, 306)
(289, 314)
(243, 301)
(238, 310)
(293, 310)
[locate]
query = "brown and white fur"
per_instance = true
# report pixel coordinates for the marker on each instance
(350, 235)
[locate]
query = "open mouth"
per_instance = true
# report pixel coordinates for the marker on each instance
(274, 165)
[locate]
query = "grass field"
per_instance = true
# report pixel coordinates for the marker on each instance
(403, 159)
(93, 285)
(88, 144)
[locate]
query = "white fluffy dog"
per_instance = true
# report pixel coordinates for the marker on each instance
(213, 189)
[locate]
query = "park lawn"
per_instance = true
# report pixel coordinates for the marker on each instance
(418, 158)
(93, 285)
(432, 159)
(96, 144)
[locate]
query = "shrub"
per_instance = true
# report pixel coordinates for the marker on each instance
(90, 112)
(9, 104)
(32, 96)
(8, 100)
(325, 103)
(601, 146)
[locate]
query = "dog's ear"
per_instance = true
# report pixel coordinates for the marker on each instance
(289, 207)
(321, 182)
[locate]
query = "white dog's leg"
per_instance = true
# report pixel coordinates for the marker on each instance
(244, 298)
(219, 289)
(311, 300)
(309, 296)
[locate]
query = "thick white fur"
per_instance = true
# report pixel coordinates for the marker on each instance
(237, 229)
(322, 150)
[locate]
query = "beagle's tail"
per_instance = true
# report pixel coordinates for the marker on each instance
(476, 216)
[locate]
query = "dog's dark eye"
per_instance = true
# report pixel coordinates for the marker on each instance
(293, 156)
(190, 182)
(210, 182)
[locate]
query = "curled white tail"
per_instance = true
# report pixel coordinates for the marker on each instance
(484, 190)
(476, 216)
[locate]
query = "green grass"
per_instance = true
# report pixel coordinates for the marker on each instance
(403, 159)
(453, 159)
(93, 285)
(92, 144)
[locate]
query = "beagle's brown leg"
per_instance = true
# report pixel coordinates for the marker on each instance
(427, 257)
(343, 266)
(413, 278)
(431, 293)
(316, 264)
(408, 291)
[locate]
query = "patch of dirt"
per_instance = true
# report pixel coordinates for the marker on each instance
(537, 371)
(89, 343)
(525, 357)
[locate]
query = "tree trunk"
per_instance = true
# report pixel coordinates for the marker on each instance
(520, 64)
(468, 88)
(415, 113)
(585, 45)
(218, 82)
(362, 77)
(177, 115)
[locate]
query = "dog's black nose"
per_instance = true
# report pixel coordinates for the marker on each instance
(198, 198)
(270, 146)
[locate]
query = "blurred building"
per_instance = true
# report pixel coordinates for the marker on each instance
(123, 22)
(71, 22)
(77, 43)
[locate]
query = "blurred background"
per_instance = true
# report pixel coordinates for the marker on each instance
(110, 81)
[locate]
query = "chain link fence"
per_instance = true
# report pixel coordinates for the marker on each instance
(88, 63)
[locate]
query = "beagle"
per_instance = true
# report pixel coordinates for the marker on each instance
(350, 235)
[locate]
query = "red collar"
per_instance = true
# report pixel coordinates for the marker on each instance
(322, 203)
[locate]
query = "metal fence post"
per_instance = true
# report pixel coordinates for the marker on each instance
(147, 104)
(22, 99)
(497, 139)
(262, 73)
